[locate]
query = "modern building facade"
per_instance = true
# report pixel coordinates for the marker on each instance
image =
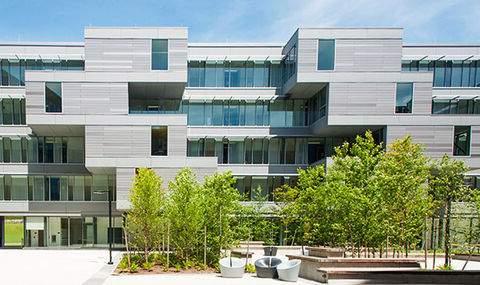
(77, 119)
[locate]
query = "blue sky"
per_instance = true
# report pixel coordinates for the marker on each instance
(424, 21)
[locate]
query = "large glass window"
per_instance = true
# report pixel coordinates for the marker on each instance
(461, 141)
(326, 54)
(289, 63)
(448, 73)
(233, 74)
(13, 70)
(159, 54)
(53, 97)
(56, 188)
(455, 106)
(159, 141)
(404, 98)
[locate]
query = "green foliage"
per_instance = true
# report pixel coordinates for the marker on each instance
(185, 214)
(447, 185)
(250, 268)
(446, 267)
(367, 195)
(123, 265)
(220, 202)
(134, 268)
(148, 265)
(257, 220)
(144, 219)
(400, 180)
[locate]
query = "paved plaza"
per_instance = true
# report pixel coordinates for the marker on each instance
(88, 266)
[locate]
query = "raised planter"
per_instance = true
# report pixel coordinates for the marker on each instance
(323, 251)
(270, 250)
(402, 276)
(241, 253)
(311, 265)
(474, 257)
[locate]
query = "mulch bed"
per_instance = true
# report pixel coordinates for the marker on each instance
(158, 269)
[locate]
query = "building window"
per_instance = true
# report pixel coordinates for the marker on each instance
(53, 97)
(326, 54)
(404, 98)
(159, 54)
(159, 140)
(461, 141)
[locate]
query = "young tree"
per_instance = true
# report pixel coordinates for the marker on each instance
(400, 179)
(145, 216)
(296, 201)
(185, 215)
(350, 181)
(220, 202)
(447, 184)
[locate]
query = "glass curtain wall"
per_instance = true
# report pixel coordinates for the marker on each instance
(41, 149)
(277, 150)
(455, 106)
(234, 74)
(56, 188)
(12, 111)
(448, 73)
(253, 188)
(13, 70)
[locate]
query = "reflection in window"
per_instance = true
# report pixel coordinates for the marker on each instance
(461, 141)
(289, 63)
(159, 140)
(448, 73)
(234, 74)
(13, 70)
(404, 98)
(277, 150)
(159, 54)
(53, 97)
(326, 54)
(248, 186)
(56, 188)
(455, 106)
(41, 149)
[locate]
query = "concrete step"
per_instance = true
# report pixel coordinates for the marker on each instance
(320, 262)
(400, 276)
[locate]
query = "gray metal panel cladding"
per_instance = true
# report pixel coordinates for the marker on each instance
(117, 141)
(354, 55)
(103, 54)
(86, 98)
(437, 140)
(35, 98)
(131, 55)
(361, 98)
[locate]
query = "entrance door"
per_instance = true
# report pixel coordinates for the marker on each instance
(76, 231)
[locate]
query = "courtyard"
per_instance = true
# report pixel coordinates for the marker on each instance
(38, 266)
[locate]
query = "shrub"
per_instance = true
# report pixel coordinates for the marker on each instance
(134, 268)
(148, 265)
(250, 268)
(123, 265)
(444, 267)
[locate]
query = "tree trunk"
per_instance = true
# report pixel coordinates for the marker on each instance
(126, 246)
(432, 234)
(447, 233)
